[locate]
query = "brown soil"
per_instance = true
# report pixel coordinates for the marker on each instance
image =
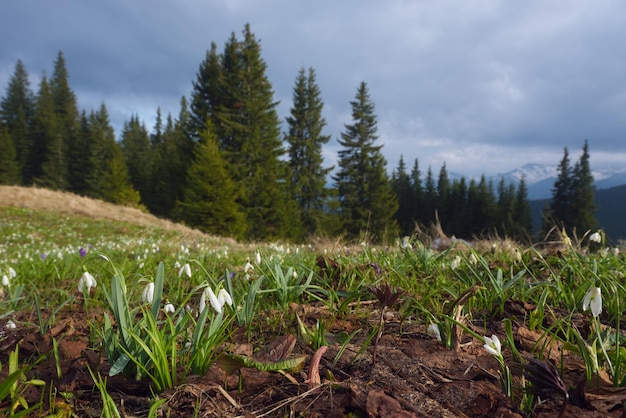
(415, 376)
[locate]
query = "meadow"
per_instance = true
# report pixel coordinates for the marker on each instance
(107, 311)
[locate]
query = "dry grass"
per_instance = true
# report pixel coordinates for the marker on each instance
(67, 203)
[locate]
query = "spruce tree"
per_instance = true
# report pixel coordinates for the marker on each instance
(16, 112)
(307, 175)
(560, 208)
(9, 167)
(137, 151)
(249, 136)
(209, 201)
(116, 186)
(522, 215)
(443, 198)
(100, 154)
(366, 198)
(417, 195)
(430, 198)
(504, 210)
(206, 91)
(46, 158)
(457, 208)
(583, 207)
(401, 184)
(71, 148)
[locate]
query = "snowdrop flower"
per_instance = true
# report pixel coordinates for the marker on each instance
(148, 293)
(492, 345)
(472, 259)
(455, 263)
(257, 258)
(12, 273)
(11, 325)
(404, 243)
(217, 302)
(248, 267)
(595, 237)
(593, 300)
(169, 308)
(86, 282)
(185, 269)
(616, 251)
(433, 331)
(5, 280)
(224, 297)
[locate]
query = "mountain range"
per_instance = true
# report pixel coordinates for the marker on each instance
(540, 178)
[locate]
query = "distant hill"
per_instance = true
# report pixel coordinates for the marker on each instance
(540, 178)
(611, 204)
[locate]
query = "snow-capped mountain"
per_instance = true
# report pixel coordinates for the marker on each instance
(540, 178)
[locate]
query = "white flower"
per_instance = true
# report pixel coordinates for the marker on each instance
(11, 325)
(257, 257)
(148, 293)
(185, 269)
(405, 243)
(248, 267)
(616, 251)
(86, 282)
(5, 280)
(595, 237)
(472, 259)
(492, 345)
(217, 302)
(224, 297)
(12, 273)
(169, 308)
(567, 241)
(593, 300)
(433, 331)
(456, 262)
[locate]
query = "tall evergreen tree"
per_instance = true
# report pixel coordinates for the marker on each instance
(560, 204)
(101, 152)
(430, 198)
(137, 151)
(249, 136)
(504, 212)
(583, 216)
(367, 201)
(416, 200)
(206, 91)
(457, 208)
(16, 112)
(523, 227)
(116, 186)
(209, 201)
(47, 154)
(401, 184)
(443, 197)
(306, 172)
(9, 167)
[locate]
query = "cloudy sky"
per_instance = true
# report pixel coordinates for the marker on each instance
(484, 86)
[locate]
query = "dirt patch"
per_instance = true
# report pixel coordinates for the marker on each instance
(415, 376)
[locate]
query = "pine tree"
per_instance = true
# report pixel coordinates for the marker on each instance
(443, 198)
(209, 201)
(248, 131)
(16, 112)
(206, 91)
(367, 201)
(306, 172)
(71, 151)
(9, 167)
(522, 215)
(416, 199)
(116, 187)
(47, 154)
(504, 209)
(583, 207)
(430, 198)
(137, 151)
(401, 184)
(560, 207)
(101, 152)
(457, 208)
